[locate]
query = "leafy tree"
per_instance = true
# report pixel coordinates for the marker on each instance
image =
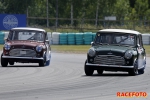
(17, 6)
(2, 7)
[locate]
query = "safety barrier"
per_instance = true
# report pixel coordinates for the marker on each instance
(88, 37)
(146, 38)
(85, 38)
(71, 38)
(79, 38)
(2, 35)
(63, 38)
(55, 37)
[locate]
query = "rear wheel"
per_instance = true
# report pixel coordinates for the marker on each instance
(88, 71)
(4, 62)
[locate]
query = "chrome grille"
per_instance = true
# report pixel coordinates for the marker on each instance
(109, 60)
(18, 53)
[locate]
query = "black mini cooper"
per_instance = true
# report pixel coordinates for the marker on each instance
(116, 50)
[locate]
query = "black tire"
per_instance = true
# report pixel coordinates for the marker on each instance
(100, 71)
(11, 63)
(141, 71)
(88, 71)
(134, 71)
(4, 62)
(42, 63)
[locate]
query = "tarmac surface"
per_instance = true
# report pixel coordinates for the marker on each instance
(65, 79)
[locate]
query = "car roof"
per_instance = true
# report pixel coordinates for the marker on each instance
(120, 31)
(28, 28)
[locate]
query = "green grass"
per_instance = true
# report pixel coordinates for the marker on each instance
(147, 48)
(1, 47)
(70, 48)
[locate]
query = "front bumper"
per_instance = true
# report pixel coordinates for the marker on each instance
(109, 67)
(12, 57)
(23, 59)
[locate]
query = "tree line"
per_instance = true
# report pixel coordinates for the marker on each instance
(79, 9)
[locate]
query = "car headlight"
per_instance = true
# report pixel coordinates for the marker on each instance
(128, 54)
(91, 52)
(39, 48)
(7, 46)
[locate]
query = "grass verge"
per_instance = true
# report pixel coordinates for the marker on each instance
(70, 48)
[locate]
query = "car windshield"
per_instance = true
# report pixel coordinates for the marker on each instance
(115, 39)
(26, 35)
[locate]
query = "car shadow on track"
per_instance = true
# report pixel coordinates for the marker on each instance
(109, 75)
(22, 66)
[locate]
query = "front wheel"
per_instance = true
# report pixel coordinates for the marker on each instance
(4, 62)
(141, 71)
(88, 71)
(134, 70)
(11, 63)
(100, 71)
(42, 63)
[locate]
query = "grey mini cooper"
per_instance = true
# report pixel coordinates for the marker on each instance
(116, 50)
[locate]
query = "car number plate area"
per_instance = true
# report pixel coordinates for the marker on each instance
(22, 52)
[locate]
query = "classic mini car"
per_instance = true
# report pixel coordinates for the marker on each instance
(116, 50)
(26, 45)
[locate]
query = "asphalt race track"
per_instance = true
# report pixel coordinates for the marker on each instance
(64, 79)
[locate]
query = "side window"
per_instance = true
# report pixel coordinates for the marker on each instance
(140, 41)
(10, 35)
(46, 37)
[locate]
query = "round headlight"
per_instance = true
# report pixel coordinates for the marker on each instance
(128, 54)
(7, 46)
(91, 52)
(39, 48)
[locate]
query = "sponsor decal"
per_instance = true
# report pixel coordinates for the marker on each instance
(10, 21)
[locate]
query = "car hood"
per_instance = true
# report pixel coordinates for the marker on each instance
(25, 43)
(112, 50)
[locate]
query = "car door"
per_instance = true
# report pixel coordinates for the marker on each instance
(141, 52)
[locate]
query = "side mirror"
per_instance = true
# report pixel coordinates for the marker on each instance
(92, 43)
(47, 41)
(138, 45)
(5, 39)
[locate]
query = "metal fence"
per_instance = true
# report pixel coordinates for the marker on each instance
(87, 24)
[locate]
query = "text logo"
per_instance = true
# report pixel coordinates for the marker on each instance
(132, 94)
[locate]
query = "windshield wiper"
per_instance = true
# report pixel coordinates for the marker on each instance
(103, 43)
(127, 45)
